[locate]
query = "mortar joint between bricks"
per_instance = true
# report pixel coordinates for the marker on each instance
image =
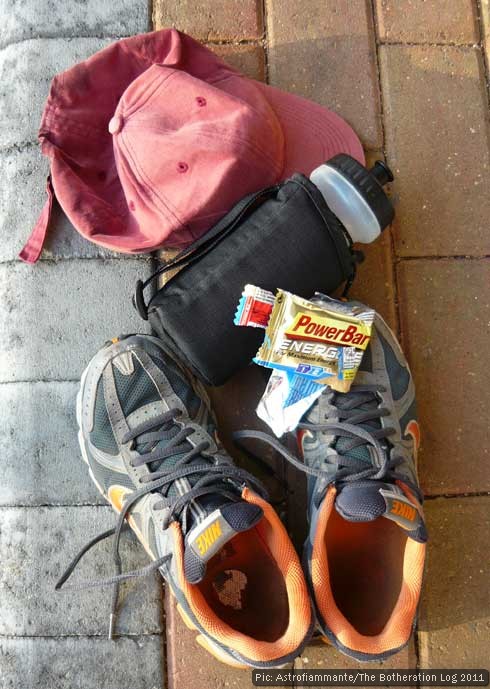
(265, 42)
(151, 23)
(101, 635)
(451, 496)
(55, 260)
(437, 257)
(253, 42)
(427, 44)
(416, 643)
(56, 506)
(62, 37)
(51, 505)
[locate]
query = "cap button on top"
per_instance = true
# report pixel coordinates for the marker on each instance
(115, 124)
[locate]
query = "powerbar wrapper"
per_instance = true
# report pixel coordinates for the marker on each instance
(322, 339)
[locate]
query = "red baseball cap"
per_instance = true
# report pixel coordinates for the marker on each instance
(153, 139)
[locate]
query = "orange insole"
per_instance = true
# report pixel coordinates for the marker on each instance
(246, 589)
(365, 562)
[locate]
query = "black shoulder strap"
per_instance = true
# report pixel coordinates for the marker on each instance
(202, 245)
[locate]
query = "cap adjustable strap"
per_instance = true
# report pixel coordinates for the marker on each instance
(34, 245)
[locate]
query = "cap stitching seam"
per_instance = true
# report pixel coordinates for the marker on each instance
(247, 143)
(167, 206)
(151, 191)
(145, 97)
(250, 105)
(173, 74)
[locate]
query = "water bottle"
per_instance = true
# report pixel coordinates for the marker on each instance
(356, 196)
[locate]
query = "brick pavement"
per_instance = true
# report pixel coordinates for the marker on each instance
(413, 79)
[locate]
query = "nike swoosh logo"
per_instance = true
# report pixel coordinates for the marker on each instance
(413, 430)
(300, 435)
(116, 496)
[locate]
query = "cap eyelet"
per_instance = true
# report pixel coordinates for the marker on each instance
(132, 206)
(201, 101)
(182, 167)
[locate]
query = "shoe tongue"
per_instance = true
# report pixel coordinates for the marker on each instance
(213, 531)
(365, 501)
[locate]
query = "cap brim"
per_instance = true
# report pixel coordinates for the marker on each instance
(312, 133)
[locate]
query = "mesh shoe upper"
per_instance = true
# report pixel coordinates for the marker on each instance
(366, 547)
(150, 440)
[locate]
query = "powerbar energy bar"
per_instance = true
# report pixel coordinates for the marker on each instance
(308, 344)
(322, 339)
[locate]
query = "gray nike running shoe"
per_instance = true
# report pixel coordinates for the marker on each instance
(364, 556)
(149, 439)
(366, 548)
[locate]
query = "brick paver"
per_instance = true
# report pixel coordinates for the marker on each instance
(418, 21)
(24, 20)
(248, 59)
(211, 20)
(83, 303)
(53, 317)
(327, 54)
(39, 426)
(321, 655)
(134, 662)
(29, 67)
(22, 195)
(435, 108)
(445, 312)
(375, 279)
(203, 670)
(37, 544)
(455, 612)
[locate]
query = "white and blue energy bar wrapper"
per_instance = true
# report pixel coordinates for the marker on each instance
(286, 398)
